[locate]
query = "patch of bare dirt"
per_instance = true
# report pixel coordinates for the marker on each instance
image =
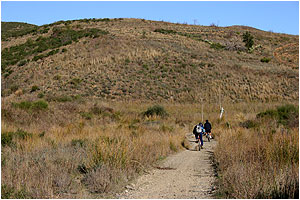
(187, 175)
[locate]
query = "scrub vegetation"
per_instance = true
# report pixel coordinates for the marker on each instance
(88, 105)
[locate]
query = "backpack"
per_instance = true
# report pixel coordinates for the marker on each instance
(197, 129)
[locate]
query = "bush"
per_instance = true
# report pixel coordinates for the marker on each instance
(164, 31)
(249, 124)
(22, 62)
(40, 95)
(217, 46)
(40, 105)
(7, 137)
(266, 60)
(75, 81)
(286, 115)
(248, 40)
(28, 105)
(34, 88)
(156, 110)
(86, 115)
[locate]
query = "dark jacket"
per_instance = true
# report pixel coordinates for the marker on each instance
(207, 126)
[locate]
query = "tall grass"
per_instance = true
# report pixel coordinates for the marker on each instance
(83, 158)
(66, 155)
(260, 162)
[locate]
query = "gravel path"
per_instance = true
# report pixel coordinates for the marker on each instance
(186, 175)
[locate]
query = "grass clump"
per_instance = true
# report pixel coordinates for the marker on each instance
(8, 192)
(8, 137)
(165, 31)
(217, 46)
(79, 142)
(156, 110)
(265, 60)
(86, 115)
(34, 88)
(32, 106)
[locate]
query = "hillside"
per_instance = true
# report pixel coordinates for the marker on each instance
(136, 59)
(16, 29)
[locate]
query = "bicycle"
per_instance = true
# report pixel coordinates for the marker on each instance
(208, 137)
(199, 146)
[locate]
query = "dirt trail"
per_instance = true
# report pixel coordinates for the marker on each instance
(186, 175)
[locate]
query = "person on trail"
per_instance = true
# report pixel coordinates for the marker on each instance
(207, 127)
(198, 132)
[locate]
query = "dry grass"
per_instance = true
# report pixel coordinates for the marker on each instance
(84, 158)
(260, 162)
(71, 155)
(132, 57)
(83, 147)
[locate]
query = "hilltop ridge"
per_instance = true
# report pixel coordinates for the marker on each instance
(137, 59)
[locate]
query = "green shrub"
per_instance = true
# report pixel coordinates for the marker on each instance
(266, 60)
(34, 88)
(217, 46)
(40, 95)
(40, 105)
(20, 134)
(165, 31)
(127, 61)
(249, 124)
(7, 137)
(248, 40)
(24, 105)
(75, 81)
(42, 134)
(86, 115)
(29, 106)
(22, 62)
(287, 115)
(156, 110)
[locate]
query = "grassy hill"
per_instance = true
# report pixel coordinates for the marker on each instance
(68, 131)
(136, 59)
(16, 29)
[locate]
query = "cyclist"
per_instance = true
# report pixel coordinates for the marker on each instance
(198, 132)
(207, 127)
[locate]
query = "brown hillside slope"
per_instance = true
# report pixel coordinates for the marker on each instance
(150, 60)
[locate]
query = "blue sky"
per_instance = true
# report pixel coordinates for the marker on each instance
(276, 16)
